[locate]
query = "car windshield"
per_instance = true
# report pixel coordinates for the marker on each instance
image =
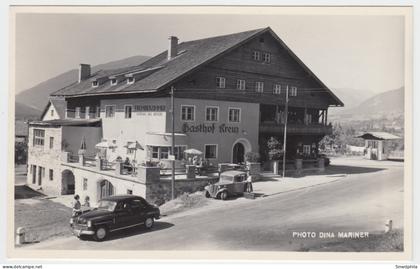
(107, 205)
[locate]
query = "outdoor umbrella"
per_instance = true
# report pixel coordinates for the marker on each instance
(193, 151)
(105, 145)
(135, 146)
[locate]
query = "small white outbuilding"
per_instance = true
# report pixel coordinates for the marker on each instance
(377, 144)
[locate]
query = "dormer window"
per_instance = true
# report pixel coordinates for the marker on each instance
(114, 81)
(95, 83)
(130, 80)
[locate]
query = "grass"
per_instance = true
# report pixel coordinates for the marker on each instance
(42, 219)
(377, 242)
(184, 202)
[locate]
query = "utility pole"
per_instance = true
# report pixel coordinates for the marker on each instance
(173, 143)
(286, 112)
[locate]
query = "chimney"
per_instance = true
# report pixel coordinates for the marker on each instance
(173, 47)
(84, 71)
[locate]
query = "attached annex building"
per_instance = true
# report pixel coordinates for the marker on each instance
(229, 99)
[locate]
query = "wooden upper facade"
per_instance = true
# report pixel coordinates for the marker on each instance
(254, 66)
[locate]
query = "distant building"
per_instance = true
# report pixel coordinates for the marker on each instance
(377, 144)
(21, 131)
(229, 99)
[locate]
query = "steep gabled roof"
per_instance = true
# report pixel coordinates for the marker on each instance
(58, 104)
(163, 72)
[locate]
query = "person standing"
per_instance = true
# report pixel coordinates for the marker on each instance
(76, 206)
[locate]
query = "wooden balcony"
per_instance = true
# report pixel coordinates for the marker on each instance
(294, 128)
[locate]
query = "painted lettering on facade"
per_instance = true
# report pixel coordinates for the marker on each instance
(209, 128)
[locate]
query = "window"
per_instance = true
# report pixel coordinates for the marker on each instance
(109, 111)
(306, 149)
(51, 142)
(39, 137)
(212, 113)
(130, 80)
(52, 112)
(95, 83)
(256, 55)
(128, 110)
(234, 115)
(179, 152)
(267, 57)
(187, 113)
(87, 112)
(293, 91)
(210, 151)
(240, 84)
(77, 113)
(114, 81)
(155, 152)
(164, 153)
(220, 82)
(259, 86)
(85, 184)
(51, 175)
(277, 89)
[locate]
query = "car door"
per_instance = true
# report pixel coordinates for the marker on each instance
(139, 208)
(239, 183)
(123, 215)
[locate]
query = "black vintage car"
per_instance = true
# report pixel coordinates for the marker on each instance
(115, 213)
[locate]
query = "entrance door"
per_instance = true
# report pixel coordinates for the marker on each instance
(238, 153)
(33, 174)
(106, 189)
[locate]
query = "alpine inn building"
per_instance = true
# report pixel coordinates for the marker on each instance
(229, 99)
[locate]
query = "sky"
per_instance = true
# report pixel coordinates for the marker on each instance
(363, 52)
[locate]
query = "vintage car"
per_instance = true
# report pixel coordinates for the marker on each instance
(231, 183)
(114, 213)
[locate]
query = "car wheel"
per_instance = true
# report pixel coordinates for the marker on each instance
(148, 223)
(223, 195)
(207, 194)
(100, 233)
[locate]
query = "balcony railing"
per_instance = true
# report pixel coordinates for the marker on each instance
(294, 128)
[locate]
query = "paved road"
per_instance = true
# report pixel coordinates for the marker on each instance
(359, 202)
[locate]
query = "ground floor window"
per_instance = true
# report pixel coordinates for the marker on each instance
(51, 174)
(210, 151)
(85, 184)
(162, 153)
(306, 150)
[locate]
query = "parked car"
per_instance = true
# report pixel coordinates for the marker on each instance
(115, 213)
(231, 183)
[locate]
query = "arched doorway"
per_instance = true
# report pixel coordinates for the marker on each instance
(67, 182)
(238, 154)
(105, 189)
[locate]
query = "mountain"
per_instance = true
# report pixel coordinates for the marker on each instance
(384, 105)
(352, 97)
(25, 112)
(37, 96)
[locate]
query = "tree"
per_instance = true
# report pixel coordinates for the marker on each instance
(275, 151)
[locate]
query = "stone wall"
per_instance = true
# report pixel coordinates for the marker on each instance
(160, 191)
(47, 158)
